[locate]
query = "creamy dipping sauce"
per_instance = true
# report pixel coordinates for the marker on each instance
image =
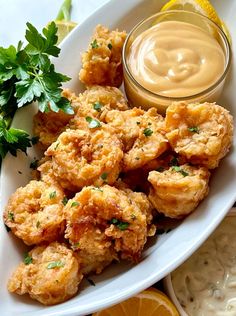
(176, 59)
(205, 284)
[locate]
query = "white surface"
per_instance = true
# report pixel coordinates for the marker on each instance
(15, 14)
(122, 280)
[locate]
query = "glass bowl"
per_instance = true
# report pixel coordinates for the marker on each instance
(138, 95)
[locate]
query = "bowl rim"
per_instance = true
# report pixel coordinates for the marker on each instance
(167, 282)
(186, 98)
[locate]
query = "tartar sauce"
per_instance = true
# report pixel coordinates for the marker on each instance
(205, 284)
(176, 59)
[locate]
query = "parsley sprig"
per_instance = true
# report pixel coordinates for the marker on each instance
(27, 75)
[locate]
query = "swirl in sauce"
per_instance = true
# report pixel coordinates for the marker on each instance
(176, 59)
(205, 284)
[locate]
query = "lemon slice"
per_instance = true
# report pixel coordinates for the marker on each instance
(149, 302)
(64, 28)
(199, 6)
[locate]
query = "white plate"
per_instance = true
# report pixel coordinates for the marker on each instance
(119, 281)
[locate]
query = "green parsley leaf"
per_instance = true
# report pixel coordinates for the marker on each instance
(109, 46)
(38, 224)
(137, 158)
(104, 175)
(27, 259)
(64, 201)
(147, 132)
(97, 106)
(55, 264)
(138, 123)
(34, 164)
(97, 189)
(178, 169)
(94, 44)
(93, 123)
(11, 216)
(121, 225)
(174, 162)
(194, 129)
(52, 195)
(73, 204)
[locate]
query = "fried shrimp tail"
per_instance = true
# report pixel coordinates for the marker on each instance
(50, 274)
(101, 63)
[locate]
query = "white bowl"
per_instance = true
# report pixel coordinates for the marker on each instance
(168, 285)
(119, 281)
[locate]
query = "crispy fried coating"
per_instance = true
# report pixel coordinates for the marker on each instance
(143, 135)
(202, 133)
(86, 156)
(118, 219)
(48, 126)
(177, 191)
(95, 102)
(35, 212)
(52, 277)
(102, 62)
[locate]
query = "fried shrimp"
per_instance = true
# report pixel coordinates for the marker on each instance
(35, 213)
(101, 63)
(50, 274)
(48, 126)
(202, 133)
(118, 219)
(177, 191)
(143, 135)
(84, 157)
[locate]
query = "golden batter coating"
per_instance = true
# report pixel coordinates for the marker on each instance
(102, 62)
(48, 126)
(86, 156)
(35, 212)
(142, 133)
(202, 133)
(118, 219)
(49, 275)
(177, 191)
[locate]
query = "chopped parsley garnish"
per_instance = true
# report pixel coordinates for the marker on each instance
(38, 224)
(160, 169)
(94, 44)
(147, 132)
(64, 200)
(93, 123)
(55, 264)
(137, 123)
(109, 46)
(34, 164)
(178, 169)
(149, 123)
(194, 129)
(56, 146)
(104, 175)
(73, 204)
(27, 259)
(97, 189)
(174, 162)
(90, 281)
(121, 225)
(137, 158)
(52, 195)
(11, 216)
(75, 245)
(97, 106)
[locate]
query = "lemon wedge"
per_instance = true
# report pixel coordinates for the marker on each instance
(64, 28)
(149, 302)
(199, 6)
